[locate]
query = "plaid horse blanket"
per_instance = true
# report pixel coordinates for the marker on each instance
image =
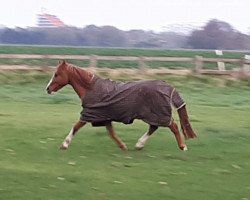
(147, 100)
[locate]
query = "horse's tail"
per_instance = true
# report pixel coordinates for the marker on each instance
(180, 105)
(186, 127)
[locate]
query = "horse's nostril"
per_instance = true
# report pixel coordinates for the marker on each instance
(48, 91)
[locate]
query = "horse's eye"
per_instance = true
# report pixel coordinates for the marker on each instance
(55, 75)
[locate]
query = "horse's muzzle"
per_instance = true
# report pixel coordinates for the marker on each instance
(48, 90)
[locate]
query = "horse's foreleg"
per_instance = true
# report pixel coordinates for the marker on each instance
(174, 128)
(115, 137)
(69, 137)
(143, 139)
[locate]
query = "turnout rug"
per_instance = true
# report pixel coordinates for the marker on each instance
(147, 100)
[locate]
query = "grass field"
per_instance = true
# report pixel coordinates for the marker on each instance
(33, 125)
(43, 50)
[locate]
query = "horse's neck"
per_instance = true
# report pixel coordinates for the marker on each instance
(80, 91)
(77, 81)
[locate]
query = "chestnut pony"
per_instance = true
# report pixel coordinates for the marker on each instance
(82, 81)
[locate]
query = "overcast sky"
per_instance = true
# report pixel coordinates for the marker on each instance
(128, 14)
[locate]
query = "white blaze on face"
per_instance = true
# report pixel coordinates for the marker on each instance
(50, 81)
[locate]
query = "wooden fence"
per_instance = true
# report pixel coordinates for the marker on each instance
(242, 69)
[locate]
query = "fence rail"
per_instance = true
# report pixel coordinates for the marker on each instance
(243, 64)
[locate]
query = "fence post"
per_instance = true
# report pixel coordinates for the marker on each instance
(142, 65)
(245, 68)
(246, 64)
(198, 60)
(45, 66)
(93, 61)
(221, 65)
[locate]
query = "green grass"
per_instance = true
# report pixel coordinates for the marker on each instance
(33, 125)
(43, 50)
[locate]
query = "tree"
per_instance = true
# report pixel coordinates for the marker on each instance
(214, 35)
(110, 36)
(217, 35)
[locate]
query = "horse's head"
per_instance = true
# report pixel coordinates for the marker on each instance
(59, 79)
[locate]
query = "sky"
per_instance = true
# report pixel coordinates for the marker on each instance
(156, 15)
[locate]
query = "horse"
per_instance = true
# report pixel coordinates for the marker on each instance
(105, 101)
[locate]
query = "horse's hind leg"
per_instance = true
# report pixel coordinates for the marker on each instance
(143, 139)
(69, 137)
(174, 128)
(115, 137)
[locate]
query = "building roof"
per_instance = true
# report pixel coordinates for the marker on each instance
(47, 20)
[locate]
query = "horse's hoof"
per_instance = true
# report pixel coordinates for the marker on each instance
(184, 148)
(63, 147)
(123, 147)
(139, 146)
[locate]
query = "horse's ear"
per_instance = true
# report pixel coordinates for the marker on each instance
(62, 62)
